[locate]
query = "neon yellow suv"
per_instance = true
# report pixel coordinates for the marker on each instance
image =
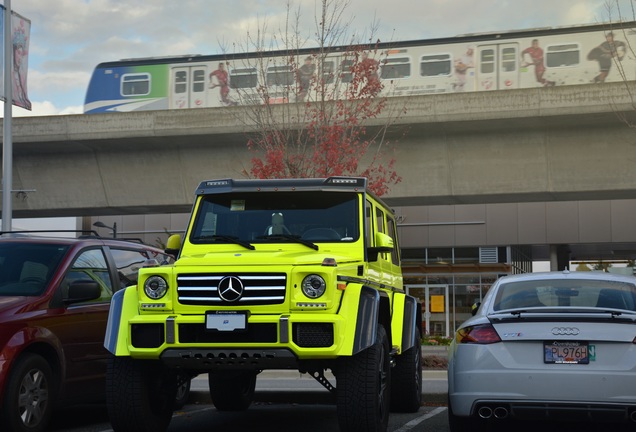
(299, 274)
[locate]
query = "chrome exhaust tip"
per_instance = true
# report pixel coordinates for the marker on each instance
(500, 412)
(485, 412)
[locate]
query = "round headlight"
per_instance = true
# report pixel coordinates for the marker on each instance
(313, 286)
(155, 287)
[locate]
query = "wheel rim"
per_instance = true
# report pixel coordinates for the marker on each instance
(33, 397)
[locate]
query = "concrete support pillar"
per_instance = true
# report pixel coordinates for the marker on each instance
(559, 257)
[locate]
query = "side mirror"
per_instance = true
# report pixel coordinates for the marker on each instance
(383, 243)
(83, 290)
(173, 245)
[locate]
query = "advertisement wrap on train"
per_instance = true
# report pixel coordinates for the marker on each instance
(520, 59)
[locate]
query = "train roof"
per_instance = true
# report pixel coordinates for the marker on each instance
(462, 38)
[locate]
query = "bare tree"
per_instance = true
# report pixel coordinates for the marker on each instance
(315, 97)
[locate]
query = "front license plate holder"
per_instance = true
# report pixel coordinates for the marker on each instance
(566, 352)
(226, 321)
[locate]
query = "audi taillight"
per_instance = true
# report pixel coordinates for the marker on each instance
(479, 334)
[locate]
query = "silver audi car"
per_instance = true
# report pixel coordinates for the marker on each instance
(554, 345)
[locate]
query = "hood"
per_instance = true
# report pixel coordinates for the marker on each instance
(11, 304)
(264, 258)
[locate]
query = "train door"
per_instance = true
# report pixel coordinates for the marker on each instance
(498, 66)
(187, 89)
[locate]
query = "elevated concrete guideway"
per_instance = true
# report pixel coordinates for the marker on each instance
(544, 144)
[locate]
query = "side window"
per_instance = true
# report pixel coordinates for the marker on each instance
(379, 217)
(91, 265)
(198, 80)
(181, 82)
(435, 65)
(563, 55)
(368, 226)
(487, 61)
(509, 59)
(128, 263)
(396, 68)
(395, 255)
(243, 78)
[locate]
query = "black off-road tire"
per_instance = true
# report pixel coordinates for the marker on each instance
(364, 388)
(406, 379)
(140, 395)
(29, 396)
(232, 390)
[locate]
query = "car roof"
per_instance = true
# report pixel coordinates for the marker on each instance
(40, 237)
(566, 274)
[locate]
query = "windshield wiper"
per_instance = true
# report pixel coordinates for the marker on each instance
(230, 239)
(293, 238)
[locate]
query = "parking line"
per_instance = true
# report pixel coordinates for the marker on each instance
(410, 425)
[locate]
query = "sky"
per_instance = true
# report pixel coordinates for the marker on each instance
(70, 37)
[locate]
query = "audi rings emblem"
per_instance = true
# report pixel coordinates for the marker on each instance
(231, 288)
(569, 331)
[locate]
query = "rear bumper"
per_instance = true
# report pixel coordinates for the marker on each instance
(552, 410)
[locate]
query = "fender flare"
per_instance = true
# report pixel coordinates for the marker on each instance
(412, 319)
(123, 305)
(367, 319)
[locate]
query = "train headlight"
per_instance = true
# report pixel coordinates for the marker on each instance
(155, 287)
(313, 286)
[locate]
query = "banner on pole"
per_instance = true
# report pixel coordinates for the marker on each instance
(20, 35)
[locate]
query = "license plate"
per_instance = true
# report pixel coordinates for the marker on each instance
(566, 352)
(226, 321)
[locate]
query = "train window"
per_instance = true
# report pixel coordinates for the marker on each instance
(280, 76)
(396, 68)
(135, 84)
(563, 55)
(509, 59)
(487, 61)
(243, 78)
(180, 82)
(435, 65)
(345, 71)
(198, 80)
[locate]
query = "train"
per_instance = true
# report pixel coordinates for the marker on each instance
(516, 59)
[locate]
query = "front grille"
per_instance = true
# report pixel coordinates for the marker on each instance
(255, 333)
(217, 289)
(313, 335)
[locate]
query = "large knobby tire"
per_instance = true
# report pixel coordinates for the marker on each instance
(406, 379)
(232, 390)
(140, 395)
(29, 395)
(364, 388)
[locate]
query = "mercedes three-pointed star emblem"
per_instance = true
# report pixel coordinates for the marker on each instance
(231, 288)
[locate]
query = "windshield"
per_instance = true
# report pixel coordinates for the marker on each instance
(566, 293)
(26, 268)
(281, 216)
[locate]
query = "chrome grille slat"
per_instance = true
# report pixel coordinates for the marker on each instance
(258, 289)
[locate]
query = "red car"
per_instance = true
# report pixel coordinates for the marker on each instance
(54, 299)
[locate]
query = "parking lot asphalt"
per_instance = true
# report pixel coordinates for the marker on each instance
(290, 386)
